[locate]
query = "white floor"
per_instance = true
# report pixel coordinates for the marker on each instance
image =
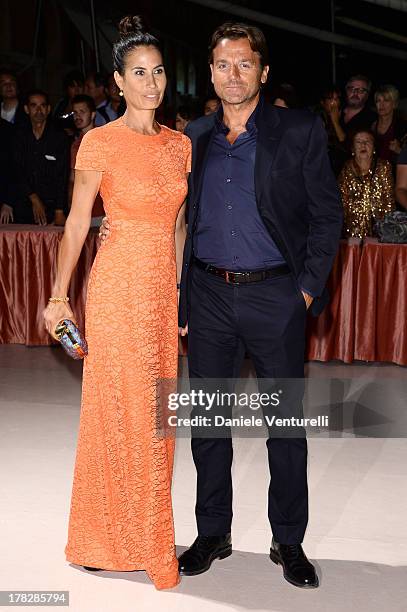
(357, 533)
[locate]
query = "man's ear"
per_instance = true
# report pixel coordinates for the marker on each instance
(211, 67)
(264, 74)
(26, 109)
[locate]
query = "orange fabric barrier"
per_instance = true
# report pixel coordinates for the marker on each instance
(381, 304)
(366, 318)
(332, 334)
(28, 256)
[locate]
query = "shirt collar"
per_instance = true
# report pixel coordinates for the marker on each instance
(221, 127)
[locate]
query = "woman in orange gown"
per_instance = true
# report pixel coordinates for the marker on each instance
(121, 513)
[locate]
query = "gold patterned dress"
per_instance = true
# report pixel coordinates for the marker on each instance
(121, 513)
(365, 198)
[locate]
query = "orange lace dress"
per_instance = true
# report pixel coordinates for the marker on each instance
(121, 513)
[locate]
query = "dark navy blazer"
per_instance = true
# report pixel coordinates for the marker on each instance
(296, 193)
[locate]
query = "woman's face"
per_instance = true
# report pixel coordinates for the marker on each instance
(74, 89)
(384, 105)
(331, 102)
(144, 81)
(180, 123)
(363, 145)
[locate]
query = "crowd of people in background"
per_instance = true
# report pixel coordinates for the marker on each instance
(367, 144)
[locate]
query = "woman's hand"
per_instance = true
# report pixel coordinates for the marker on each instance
(104, 229)
(334, 111)
(183, 331)
(6, 214)
(54, 313)
(395, 146)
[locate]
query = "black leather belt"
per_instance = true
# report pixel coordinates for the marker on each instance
(242, 277)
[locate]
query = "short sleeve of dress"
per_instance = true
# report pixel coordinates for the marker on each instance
(187, 146)
(92, 151)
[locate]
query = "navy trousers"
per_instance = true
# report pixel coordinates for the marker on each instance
(267, 320)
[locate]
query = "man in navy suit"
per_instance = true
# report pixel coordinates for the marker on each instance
(264, 223)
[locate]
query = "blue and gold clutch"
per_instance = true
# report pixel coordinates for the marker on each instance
(71, 339)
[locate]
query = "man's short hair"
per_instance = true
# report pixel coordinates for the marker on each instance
(234, 31)
(361, 77)
(98, 78)
(75, 77)
(37, 92)
(5, 70)
(84, 99)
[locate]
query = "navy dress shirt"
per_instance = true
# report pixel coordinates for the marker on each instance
(230, 233)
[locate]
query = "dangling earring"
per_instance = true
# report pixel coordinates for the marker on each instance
(121, 92)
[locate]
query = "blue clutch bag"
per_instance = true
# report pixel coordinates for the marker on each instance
(71, 339)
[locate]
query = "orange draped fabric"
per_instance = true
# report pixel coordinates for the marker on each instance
(366, 318)
(381, 304)
(332, 334)
(28, 256)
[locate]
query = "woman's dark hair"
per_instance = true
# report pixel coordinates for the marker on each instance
(286, 92)
(185, 112)
(329, 90)
(234, 31)
(73, 78)
(132, 35)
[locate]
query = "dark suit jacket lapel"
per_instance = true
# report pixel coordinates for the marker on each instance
(202, 151)
(269, 132)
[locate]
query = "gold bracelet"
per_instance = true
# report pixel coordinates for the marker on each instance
(55, 300)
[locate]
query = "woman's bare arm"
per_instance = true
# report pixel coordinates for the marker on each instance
(401, 185)
(87, 183)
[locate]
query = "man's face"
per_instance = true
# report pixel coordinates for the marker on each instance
(236, 71)
(112, 90)
(37, 109)
(92, 90)
(357, 94)
(82, 116)
(8, 87)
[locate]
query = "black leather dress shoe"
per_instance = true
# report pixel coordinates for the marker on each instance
(198, 558)
(296, 568)
(92, 569)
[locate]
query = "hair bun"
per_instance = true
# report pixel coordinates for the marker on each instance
(131, 24)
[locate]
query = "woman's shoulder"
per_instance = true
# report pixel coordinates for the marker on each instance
(347, 167)
(103, 133)
(170, 133)
(383, 165)
(174, 134)
(178, 138)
